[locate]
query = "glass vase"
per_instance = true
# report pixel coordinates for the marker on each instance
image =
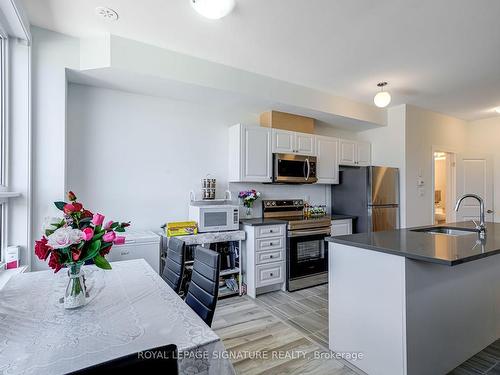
(74, 296)
(248, 212)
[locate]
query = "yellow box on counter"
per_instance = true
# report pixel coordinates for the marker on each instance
(181, 228)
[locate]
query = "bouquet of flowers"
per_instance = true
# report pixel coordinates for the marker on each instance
(78, 236)
(249, 197)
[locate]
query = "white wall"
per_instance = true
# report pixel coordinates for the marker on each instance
(52, 53)
(483, 136)
(425, 129)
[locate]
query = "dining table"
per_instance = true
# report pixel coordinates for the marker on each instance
(129, 309)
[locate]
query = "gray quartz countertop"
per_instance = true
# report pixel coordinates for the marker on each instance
(262, 221)
(429, 247)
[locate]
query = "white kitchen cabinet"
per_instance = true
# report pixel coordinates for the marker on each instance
(341, 227)
(364, 154)
(250, 157)
(327, 169)
(287, 142)
(354, 153)
(264, 255)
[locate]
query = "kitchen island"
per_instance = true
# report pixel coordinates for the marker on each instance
(414, 302)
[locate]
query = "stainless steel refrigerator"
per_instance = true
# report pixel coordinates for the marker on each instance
(369, 193)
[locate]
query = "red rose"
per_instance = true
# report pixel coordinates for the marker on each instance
(69, 208)
(54, 262)
(71, 196)
(41, 249)
(77, 206)
(105, 251)
(87, 213)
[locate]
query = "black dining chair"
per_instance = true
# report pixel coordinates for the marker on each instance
(148, 361)
(204, 286)
(174, 265)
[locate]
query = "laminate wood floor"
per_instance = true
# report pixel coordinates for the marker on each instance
(297, 322)
(263, 343)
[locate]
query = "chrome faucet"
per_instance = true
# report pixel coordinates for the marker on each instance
(481, 227)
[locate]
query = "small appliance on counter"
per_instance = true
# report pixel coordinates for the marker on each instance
(214, 215)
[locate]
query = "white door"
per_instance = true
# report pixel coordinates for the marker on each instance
(475, 176)
(347, 153)
(327, 168)
(364, 154)
(304, 144)
(256, 155)
(283, 141)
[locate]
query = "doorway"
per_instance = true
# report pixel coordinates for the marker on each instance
(444, 186)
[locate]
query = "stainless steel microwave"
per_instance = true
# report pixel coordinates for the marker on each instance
(294, 169)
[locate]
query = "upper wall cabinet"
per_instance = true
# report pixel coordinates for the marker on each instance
(250, 157)
(354, 153)
(327, 169)
(287, 142)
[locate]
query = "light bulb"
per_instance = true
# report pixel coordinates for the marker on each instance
(213, 9)
(382, 99)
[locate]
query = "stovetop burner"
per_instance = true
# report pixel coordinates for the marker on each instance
(292, 210)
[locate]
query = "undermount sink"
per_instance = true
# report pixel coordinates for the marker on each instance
(449, 231)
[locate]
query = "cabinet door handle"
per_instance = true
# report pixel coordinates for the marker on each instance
(271, 274)
(270, 256)
(270, 244)
(270, 231)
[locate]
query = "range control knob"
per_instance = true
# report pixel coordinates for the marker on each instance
(274, 203)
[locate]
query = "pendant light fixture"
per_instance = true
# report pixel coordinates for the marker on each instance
(213, 9)
(497, 109)
(382, 98)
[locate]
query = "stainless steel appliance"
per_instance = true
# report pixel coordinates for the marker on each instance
(371, 194)
(307, 250)
(294, 169)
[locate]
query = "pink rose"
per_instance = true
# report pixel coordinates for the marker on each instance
(109, 237)
(97, 219)
(88, 233)
(119, 240)
(108, 225)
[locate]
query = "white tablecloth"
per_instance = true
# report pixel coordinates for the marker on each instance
(130, 309)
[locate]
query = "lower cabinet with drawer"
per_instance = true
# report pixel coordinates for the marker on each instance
(264, 252)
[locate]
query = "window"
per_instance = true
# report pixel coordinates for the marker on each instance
(3, 146)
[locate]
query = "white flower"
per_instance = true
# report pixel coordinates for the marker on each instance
(50, 223)
(64, 237)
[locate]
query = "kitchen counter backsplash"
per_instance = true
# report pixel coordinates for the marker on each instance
(315, 194)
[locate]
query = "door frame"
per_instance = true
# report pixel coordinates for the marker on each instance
(451, 186)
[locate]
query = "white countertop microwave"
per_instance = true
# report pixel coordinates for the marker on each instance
(215, 218)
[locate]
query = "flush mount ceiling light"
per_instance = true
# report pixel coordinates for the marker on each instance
(107, 13)
(383, 98)
(497, 109)
(213, 9)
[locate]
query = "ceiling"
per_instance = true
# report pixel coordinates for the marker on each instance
(441, 55)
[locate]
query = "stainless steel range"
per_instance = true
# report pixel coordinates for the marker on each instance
(307, 250)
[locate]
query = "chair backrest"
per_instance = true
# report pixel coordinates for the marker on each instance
(204, 286)
(174, 265)
(148, 361)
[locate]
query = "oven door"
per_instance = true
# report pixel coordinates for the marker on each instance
(307, 252)
(289, 168)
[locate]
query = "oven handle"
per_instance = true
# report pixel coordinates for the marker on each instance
(305, 233)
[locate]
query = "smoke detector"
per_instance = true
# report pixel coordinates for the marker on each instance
(107, 13)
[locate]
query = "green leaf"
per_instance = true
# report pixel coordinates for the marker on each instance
(98, 236)
(119, 229)
(114, 225)
(101, 262)
(86, 220)
(94, 248)
(60, 205)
